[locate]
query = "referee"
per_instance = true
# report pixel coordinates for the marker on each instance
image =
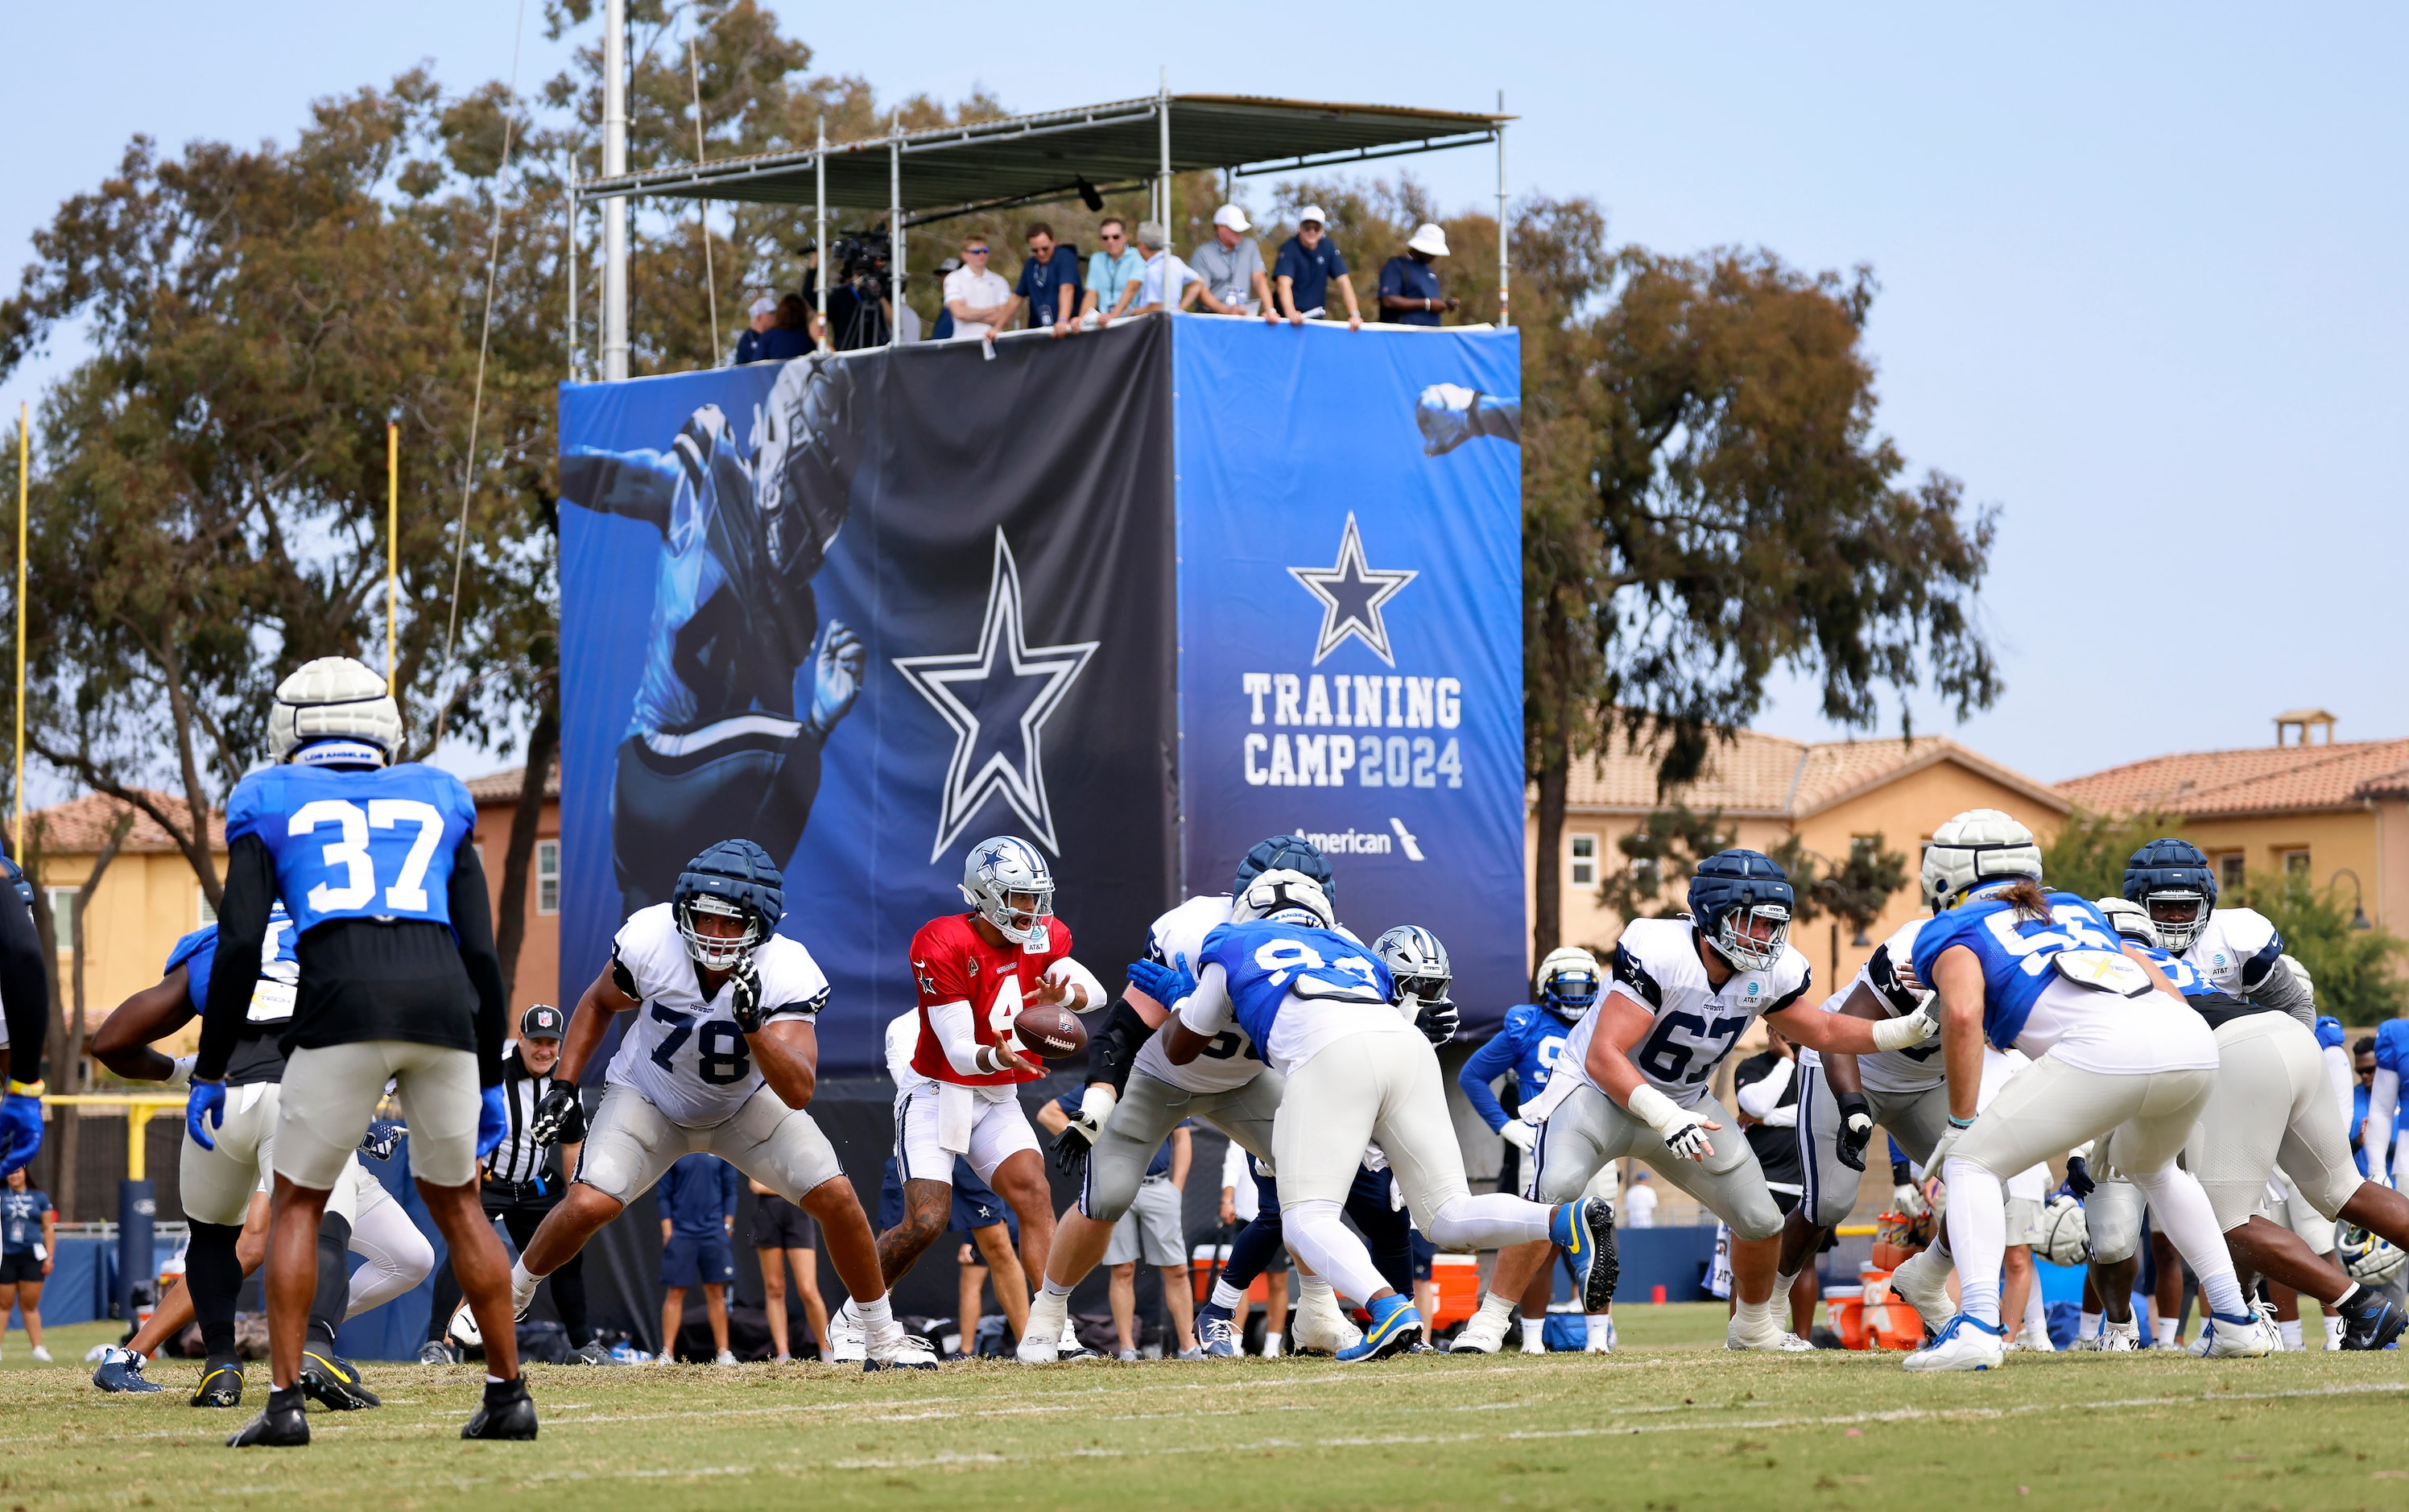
(523, 1180)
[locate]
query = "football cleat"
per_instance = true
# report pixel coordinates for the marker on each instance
(847, 1338)
(1192, 1354)
(282, 1424)
(507, 1413)
(332, 1382)
(1772, 1339)
(41, 1353)
(725, 1357)
(2123, 1338)
(1922, 1282)
(1395, 1324)
(435, 1352)
(121, 1370)
(2238, 1336)
(888, 1347)
(592, 1352)
(1128, 1356)
(1041, 1342)
(1216, 1332)
(1584, 1230)
(221, 1383)
(1484, 1335)
(2369, 1321)
(1071, 1348)
(1321, 1329)
(1965, 1343)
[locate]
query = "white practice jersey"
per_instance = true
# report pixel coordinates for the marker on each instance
(1656, 965)
(1231, 1060)
(903, 1039)
(685, 1056)
(2235, 947)
(1894, 1072)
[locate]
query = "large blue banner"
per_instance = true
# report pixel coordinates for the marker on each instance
(1350, 525)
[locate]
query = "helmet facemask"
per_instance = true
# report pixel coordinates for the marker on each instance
(2178, 915)
(1019, 915)
(1570, 991)
(717, 951)
(1751, 936)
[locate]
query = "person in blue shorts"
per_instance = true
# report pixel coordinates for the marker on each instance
(698, 1203)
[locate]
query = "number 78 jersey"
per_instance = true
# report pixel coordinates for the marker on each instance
(356, 844)
(1656, 965)
(685, 1055)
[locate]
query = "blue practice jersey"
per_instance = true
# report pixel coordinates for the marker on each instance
(1270, 965)
(198, 953)
(1527, 1048)
(2393, 1047)
(2186, 978)
(356, 844)
(2018, 954)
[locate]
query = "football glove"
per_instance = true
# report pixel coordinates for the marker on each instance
(493, 1120)
(1689, 1141)
(1070, 1147)
(1947, 1142)
(1908, 1200)
(204, 1109)
(1856, 1128)
(1165, 985)
(1520, 1134)
(20, 1125)
(745, 997)
(181, 1074)
(2079, 1180)
(552, 1114)
(1438, 1021)
(382, 1138)
(1911, 1029)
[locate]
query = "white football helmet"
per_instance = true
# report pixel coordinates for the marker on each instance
(2131, 919)
(2367, 1257)
(1290, 897)
(1567, 981)
(2065, 1232)
(1977, 846)
(1008, 883)
(326, 712)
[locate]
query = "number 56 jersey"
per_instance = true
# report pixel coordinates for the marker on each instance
(1656, 965)
(685, 1056)
(356, 844)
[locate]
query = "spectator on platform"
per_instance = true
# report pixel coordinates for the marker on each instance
(1639, 1201)
(1410, 287)
(29, 1247)
(698, 1203)
(1232, 268)
(1308, 267)
(980, 301)
(1049, 282)
(1113, 274)
(944, 329)
(761, 316)
(1164, 269)
(790, 332)
(784, 1235)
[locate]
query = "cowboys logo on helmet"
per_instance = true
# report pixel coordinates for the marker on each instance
(1289, 897)
(1568, 982)
(2172, 879)
(1741, 901)
(732, 880)
(1008, 883)
(1417, 963)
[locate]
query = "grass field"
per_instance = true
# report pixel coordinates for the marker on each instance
(1671, 1421)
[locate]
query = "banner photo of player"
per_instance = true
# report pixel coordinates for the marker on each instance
(866, 610)
(1351, 621)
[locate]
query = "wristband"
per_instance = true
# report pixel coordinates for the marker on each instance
(1956, 1122)
(1657, 1111)
(31, 1089)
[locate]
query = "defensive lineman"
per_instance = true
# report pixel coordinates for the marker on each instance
(723, 1060)
(400, 983)
(1634, 1071)
(1324, 1011)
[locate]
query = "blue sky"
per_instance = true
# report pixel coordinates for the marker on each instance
(2141, 272)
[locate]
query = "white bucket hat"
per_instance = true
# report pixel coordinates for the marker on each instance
(1429, 240)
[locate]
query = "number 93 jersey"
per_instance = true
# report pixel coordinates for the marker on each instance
(1293, 989)
(356, 844)
(1656, 965)
(1230, 1059)
(686, 1057)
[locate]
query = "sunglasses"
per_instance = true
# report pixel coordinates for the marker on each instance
(980, 250)
(1112, 236)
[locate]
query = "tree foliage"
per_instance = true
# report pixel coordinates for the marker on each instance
(1854, 891)
(1660, 858)
(2357, 972)
(2087, 855)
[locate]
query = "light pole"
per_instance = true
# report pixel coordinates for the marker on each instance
(2358, 919)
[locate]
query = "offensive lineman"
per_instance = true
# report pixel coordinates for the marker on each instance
(723, 1060)
(399, 982)
(1638, 1064)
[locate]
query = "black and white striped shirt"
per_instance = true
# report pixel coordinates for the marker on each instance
(518, 1158)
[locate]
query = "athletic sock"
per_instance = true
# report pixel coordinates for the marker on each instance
(2163, 1331)
(213, 1280)
(2089, 1327)
(1313, 1291)
(334, 1279)
(1271, 1344)
(1497, 1307)
(1535, 1334)
(1978, 1236)
(2348, 1297)
(1782, 1283)
(1601, 1326)
(1225, 1296)
(875, 1313)
(2290, 1331)
(1053, 1288)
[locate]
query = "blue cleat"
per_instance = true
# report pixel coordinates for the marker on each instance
(1584, 1230)
(121, 1370)
(1395, 1324)
(1216, 1332)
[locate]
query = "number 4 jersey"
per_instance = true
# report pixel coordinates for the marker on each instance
(1656, 965)
(685, 1056)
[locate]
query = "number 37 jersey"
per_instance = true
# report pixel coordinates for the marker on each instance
(1656, 965)
(686, 1057)
(356, 844)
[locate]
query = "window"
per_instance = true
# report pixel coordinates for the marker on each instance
(2296, 863)
(208, 915)
(1584, 860)
(547, 876)
(62, 915)
(2230, 869)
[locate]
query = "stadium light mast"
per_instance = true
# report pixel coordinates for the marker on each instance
(614, 210)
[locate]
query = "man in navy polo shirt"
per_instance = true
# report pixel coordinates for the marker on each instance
(1050, 281)
(1307, 266)
(1410, 287)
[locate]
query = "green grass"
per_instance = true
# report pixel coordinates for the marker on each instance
(1668, 1423)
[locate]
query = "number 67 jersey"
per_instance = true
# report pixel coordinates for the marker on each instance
(686, 1057)
(1656, 965)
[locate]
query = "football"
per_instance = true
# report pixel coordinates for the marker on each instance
(1050, 1033)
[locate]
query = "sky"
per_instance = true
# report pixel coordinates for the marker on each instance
(2140, 271)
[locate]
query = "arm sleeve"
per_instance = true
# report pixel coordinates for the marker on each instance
(1492, 1061)
(2383, 1099)
(242, 927)
(1759, 1097)
(1069, 970)
(472, 922)
(955, 1036)
(2338, 1077)
(2279, 989)
(24, 987)
(1113, 1049)
(1207, 1009)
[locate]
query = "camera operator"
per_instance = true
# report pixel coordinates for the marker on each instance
(861, 298)
(523, 1181)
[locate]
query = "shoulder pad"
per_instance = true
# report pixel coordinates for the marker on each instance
(204, 938)
(2392, 1045)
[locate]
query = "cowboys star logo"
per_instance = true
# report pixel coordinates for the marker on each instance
(998, 700)
(1351, 594)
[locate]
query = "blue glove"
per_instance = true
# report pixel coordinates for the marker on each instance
(382, 1138)
(492, 1121)
(2329, 1035)
(20, 1129)
(1165, 985)
(204, 1110)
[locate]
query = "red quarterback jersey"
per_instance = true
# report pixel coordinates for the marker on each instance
(952, 964)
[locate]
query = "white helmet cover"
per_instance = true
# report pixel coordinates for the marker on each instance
(1977, 846)
(1282, 893)
(2130, 918)
(996, 871)
(332, 699)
